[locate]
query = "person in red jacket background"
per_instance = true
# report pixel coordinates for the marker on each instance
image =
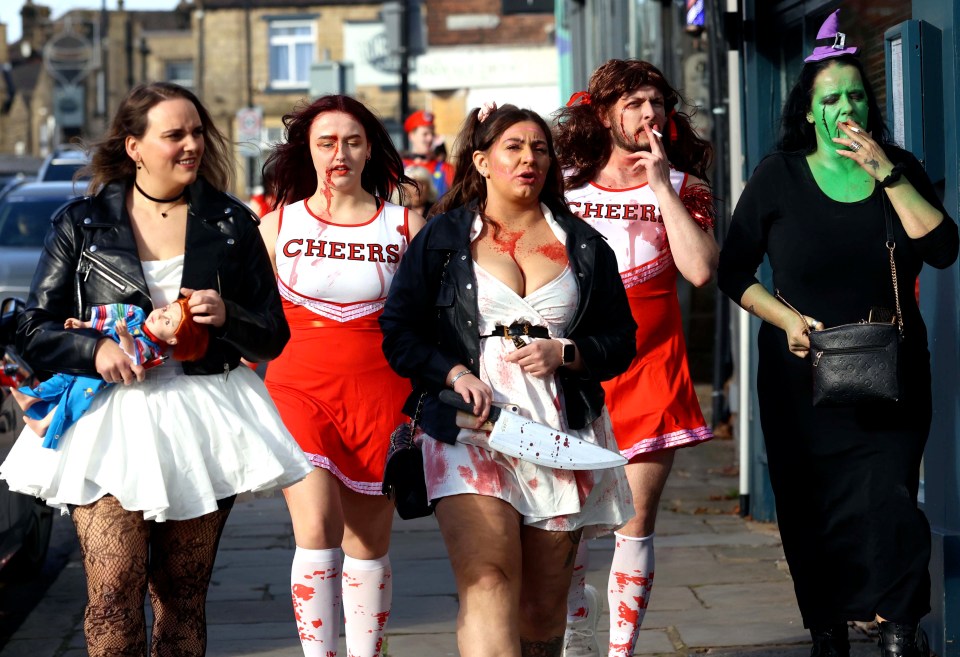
(422, 137)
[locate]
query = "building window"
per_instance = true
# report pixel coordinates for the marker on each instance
(292, 45)
(180, 72)
(274, 136)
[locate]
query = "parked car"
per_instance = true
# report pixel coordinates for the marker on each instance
(17, 167)
(62, 164)
(26, 523)
(25, 214)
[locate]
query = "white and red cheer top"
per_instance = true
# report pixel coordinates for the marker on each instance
(334, 389)
(653, 404)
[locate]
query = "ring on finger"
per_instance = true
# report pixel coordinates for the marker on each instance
(855, 146)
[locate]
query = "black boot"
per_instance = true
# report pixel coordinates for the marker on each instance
(898, 640)
(830, 641)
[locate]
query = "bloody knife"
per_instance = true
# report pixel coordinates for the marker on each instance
(522, 438)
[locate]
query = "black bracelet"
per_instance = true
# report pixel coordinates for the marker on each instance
(893, 176)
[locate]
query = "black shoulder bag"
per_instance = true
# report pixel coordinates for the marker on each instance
(859, 363)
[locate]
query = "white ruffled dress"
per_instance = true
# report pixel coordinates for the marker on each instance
(169, 446)
(598, 501)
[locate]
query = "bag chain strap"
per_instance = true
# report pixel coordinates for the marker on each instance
(803, 319)
(416, 413)
(891, 245)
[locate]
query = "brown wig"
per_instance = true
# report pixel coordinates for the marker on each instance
(468, 185)
(584, 145)
(192, 338)
(293, 171)
(110, 162)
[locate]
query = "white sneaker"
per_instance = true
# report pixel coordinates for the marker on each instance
(580, 639)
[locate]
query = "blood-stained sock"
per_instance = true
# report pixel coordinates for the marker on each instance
(628, 591)
(367, 593)
(577, 607)
(315, 585)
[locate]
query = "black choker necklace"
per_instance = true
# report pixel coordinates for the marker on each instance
(172, 199)
(160, 200)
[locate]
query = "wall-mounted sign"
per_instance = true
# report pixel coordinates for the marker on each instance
(69, 56)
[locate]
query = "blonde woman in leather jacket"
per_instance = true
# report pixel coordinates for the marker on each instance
(150, 472)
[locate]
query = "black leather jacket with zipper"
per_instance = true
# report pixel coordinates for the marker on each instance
(429, 327)
(90, 258)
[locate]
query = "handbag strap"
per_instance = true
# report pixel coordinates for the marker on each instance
(891, 246)
(416, 414)
(803, 319)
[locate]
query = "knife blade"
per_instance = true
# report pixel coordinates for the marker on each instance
(525, 439)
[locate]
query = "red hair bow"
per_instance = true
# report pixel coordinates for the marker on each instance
(582, 97)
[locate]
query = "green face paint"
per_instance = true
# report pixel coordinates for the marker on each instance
(838, 95)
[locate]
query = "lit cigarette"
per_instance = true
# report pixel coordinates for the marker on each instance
(659, 136)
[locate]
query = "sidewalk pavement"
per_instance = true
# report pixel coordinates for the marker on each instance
(721, 588)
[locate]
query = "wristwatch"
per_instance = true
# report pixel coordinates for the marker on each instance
(569, 351)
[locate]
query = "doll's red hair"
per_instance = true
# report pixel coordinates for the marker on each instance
(192, 338)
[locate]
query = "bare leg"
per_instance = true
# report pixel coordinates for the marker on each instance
(482, 535)
(316, 511)
(368, 520)
(113, 542)
(647, 474)
(548, 560)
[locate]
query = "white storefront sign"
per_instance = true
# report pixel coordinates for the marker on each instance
(456, 68)
(365, 46)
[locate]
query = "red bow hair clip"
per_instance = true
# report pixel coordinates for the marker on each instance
(581, 97)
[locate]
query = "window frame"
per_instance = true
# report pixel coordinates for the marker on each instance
(290, 43)
(167, 63)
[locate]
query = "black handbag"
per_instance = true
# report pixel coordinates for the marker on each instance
(404, 481)
(859, 363)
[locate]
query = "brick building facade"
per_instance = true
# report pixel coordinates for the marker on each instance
(264, 54)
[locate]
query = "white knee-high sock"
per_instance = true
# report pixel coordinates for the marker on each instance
(631, 578)
(315, 585)
(367, 593)
(577, 608)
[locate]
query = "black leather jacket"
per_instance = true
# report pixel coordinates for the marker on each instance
(428, 327)
(90, 258)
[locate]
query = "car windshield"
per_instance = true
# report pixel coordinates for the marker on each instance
(25, 223)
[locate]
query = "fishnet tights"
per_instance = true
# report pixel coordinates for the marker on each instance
(124, 556)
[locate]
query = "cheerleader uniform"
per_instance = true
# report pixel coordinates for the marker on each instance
(333, 386)
(653, 404)
(169, 446)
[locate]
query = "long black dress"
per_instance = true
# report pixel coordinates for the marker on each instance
(845, 479)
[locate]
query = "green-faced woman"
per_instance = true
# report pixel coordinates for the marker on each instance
(845, 479)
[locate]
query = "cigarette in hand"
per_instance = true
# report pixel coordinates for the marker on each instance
(654, 131)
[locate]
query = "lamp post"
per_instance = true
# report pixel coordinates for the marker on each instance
(404, 69)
